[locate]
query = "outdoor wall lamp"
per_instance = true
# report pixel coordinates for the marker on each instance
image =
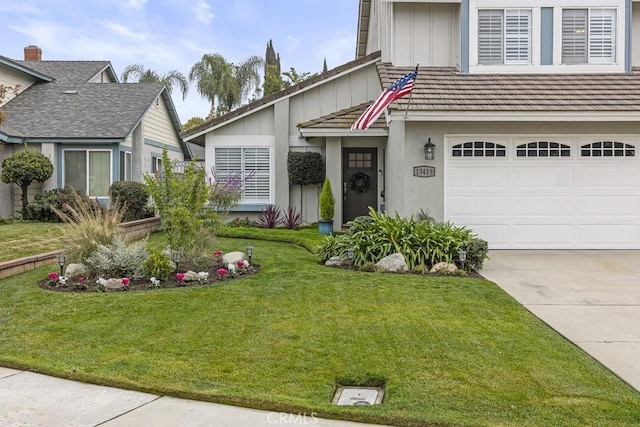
(462, 256)
(249, 252)
(429, 150)
(175, 257)
(61, 259)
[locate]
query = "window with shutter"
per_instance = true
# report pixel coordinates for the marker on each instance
(254, 164)
(504, 36)
(588, 36)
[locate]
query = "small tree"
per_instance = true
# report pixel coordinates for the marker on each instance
(327, 201)
(25, 167)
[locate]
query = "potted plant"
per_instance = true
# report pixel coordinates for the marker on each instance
(327, 206)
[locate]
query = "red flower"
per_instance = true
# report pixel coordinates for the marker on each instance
(240, 264)
(80, 279)
(217, 254)
(180, 277)
(125, 281)
(222, 271)
(53, 276)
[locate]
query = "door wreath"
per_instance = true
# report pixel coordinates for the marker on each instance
(360, 182)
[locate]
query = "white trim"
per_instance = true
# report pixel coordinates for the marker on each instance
(321, 132)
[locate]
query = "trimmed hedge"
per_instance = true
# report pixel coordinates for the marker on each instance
(305, 168)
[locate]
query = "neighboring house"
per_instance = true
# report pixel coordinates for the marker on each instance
(94, 129)
(533, 107)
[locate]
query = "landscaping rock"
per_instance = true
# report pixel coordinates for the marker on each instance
(190, 276)
(232, 258)
(337, 261)
(394, 263)
(114, 285)
(444, 268)
(75, 270)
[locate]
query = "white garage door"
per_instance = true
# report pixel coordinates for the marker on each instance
(539, 193)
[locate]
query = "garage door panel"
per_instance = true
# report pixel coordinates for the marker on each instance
(542, 177)
(609, 177)
(478, 177)
(534, 235)
(543, 206)
(606, 206)
(474, 206)
(607, 235)
(497, 234)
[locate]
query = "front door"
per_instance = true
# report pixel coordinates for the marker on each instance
(359, 182)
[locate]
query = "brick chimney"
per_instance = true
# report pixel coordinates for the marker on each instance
(32, 53)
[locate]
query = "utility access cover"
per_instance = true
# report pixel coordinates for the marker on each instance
(357, 396)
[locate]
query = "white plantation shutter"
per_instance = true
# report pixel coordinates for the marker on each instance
(228, 161)
(257, 188)
(602, 39)
(490, 36)
(574, 36)
(517, 36)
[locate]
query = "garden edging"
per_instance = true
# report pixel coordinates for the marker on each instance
(22, 265)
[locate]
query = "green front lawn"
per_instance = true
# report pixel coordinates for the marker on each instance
(453, 351)
(20, 239)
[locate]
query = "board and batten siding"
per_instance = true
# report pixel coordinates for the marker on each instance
(352, 89)
(13, 78)
(102, 77)
(259, 123)
(428, 33)
(158, 126)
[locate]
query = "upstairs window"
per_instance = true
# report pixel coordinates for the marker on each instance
(588, 36)
(504, 36)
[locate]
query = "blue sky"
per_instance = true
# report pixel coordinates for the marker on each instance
(174, 34)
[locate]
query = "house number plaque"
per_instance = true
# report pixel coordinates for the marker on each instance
(424, 171)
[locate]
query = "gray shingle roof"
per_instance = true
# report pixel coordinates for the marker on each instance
(446, 89)
(68, 107)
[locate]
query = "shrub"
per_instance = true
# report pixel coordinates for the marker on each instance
(89, 226)
(327, 201)
(305, 168)
(270, 217)
(23, 168)
(425, 215)
(132, 197)
(476, 253)
(158, 266)
(118, 259)
(333, 245)
(43, 205)
(292, 218)
(368, 267)
(242, 222)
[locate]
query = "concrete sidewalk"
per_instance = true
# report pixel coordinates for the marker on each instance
(591, 297)
(29, 399)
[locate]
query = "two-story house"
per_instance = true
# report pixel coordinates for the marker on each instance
(94, 129)
(533, 107)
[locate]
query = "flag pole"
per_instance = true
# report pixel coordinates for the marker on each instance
(406, 111)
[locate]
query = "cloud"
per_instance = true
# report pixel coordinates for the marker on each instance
(124, 31)
(203, 11)
(294, 43)
(137, 4)
(19, 7)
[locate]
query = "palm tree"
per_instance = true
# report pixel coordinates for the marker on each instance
(141, 75)
(223, 83)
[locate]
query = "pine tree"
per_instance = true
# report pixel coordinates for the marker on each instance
(324, 66)
(272, 72)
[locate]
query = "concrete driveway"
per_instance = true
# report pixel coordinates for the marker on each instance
(591, 297)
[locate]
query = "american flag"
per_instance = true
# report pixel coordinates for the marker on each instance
(401, 87)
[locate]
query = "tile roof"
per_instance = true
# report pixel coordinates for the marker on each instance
(281, 94)
(69, 107)
(342, 119)
(446, 89)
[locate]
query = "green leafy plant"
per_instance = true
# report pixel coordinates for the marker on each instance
(305, 168)
(25, 167)
(333, 245)
(118, 259)
(270, 217)
(43, 204)
(132, 198)
(327, 201)
(477, 250)
(242, 222)
(158, 266)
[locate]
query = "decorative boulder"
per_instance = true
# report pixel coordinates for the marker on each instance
(114, 285)
(190, 276)
(394, 263)
(75, 270)
(232, 258)
(337, 261)
(444, 268)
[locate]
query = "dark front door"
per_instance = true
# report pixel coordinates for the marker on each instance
(359, 182)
